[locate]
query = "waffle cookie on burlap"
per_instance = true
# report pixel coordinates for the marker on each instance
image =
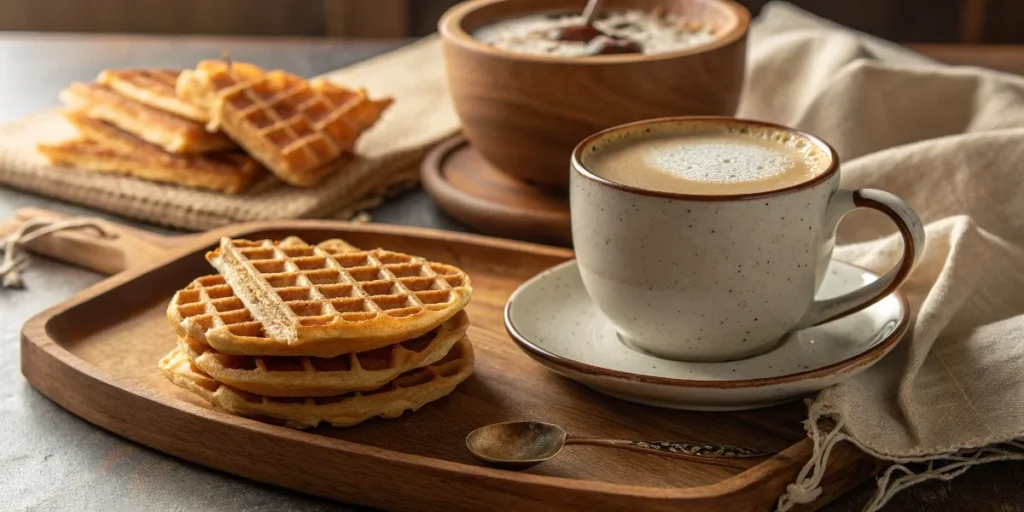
(295, 127)
(172, 133)
(153, 87)
(408, 392)
(104, 148)
(301, 376)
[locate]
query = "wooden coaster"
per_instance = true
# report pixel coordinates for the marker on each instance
(470, 189)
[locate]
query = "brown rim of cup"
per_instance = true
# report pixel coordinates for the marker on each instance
(451, 29)
(579, 168)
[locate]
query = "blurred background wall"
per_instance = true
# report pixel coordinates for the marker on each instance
(988, 21)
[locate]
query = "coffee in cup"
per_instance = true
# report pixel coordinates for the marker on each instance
(706, 238)
(711, 159)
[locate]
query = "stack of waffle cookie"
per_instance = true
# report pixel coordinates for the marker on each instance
(299, 334)
(214, 127)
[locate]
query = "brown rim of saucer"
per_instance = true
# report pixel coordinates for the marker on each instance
(851, 363)
(579, 168)
(451, 29)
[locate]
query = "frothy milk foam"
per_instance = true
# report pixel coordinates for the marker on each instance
(708, 158)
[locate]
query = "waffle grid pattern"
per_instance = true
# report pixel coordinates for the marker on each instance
(343, 381)
(318, 287)
(210, 302)
(301, 126)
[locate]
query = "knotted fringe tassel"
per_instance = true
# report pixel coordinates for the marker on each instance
(16, 260)
(807, 487)
(943, 467)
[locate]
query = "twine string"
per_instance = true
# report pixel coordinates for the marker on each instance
(16, 260)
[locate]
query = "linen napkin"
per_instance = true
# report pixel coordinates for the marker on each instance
(950, 141)
(387, 157)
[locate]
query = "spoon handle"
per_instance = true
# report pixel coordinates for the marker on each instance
(701, 452)
(591, 10)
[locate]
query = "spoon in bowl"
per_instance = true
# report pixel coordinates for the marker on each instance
(586, 30)
(524, 444)
(598, 43)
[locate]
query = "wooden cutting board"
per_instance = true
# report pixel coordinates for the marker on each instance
(96, 355)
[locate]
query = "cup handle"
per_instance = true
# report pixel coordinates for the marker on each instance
(841, 203)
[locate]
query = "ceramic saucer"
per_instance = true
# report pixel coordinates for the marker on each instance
(552, 319)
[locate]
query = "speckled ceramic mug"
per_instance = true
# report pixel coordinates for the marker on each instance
(719, 277)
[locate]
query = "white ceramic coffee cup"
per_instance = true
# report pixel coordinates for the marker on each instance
(719, 277)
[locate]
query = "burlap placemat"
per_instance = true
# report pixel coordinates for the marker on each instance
(388, 157)
(950, 141)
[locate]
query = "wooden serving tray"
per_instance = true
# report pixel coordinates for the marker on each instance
(96, 355)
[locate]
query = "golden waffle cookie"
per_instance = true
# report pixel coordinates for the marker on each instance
(313, 376)
(293, 126)
(408, 392)
(314, 301)
(104, 148)
(170, 132)
(306, 295)
(201, 86)
(152, 87)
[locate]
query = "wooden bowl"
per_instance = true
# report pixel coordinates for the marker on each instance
(526, 113)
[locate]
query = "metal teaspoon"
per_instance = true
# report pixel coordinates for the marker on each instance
(524, 444)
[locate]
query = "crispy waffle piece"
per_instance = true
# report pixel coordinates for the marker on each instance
(202, 85)
(106, 149)
(312, 301)
(289, 376)
(306, 295)
(152, 87)
(293, 126)
(170, 132)
(408, 392)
